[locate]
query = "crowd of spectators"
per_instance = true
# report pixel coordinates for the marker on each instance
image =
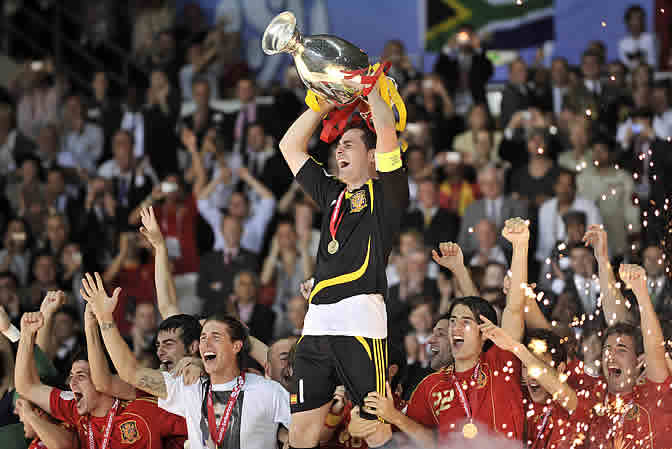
(571, 148)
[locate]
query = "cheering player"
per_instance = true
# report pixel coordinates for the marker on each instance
(345, 331)
(101, 420)
(480, 391)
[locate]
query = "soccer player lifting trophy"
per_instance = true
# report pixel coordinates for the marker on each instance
(344, 339)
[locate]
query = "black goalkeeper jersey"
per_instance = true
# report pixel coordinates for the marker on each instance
(366, 235)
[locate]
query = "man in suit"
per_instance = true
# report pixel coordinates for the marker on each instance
(250, 112)
(263, 160)
(243, 304)
(517, 94)
(580, 286)
(494, 207)
(554, 95)
(464, 68)
(132, 182)
(436, 224)
(660, 287)
(651, 159)
(413, 282)
(218, 268)
(593, 97)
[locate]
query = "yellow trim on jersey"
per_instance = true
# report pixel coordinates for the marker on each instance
(370, 184)
(344, 278)
(316, 161)
(299, 340)
(388, 161)
(366, 346)
(380, 368)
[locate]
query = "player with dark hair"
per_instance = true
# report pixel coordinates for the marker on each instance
(345, 330)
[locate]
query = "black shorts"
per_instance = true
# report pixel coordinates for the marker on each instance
(323, 362)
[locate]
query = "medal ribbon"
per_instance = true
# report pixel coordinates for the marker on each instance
(335, 220)
(108, 427)
(463, 396)
(224, 421)
(544, 422)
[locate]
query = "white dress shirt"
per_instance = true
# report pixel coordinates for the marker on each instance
(646, 43)
(552, 228)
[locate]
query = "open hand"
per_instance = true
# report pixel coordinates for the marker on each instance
(381, 405)
(150, 227)
(497, 335)
(94, 293)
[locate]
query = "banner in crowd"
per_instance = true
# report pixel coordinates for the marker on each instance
(511, 23)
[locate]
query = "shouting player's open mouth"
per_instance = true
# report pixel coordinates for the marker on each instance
(209, 357)
(458, 342)
(614, 371)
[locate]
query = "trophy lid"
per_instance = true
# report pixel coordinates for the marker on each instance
(279, 33)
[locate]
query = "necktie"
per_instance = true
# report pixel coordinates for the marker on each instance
(123, 190)
(428, 218)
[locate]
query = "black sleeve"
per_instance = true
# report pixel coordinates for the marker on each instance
(395, 196)
(321, 187)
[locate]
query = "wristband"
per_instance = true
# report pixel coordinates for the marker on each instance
(389, 161)
(12, 333)
(333, 420)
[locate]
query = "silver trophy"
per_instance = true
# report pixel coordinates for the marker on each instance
(323, 62)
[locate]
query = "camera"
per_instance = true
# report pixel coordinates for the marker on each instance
(168, 187)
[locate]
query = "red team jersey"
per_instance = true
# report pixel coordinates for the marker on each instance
(640, 419)
(495, 398)
(138, 424)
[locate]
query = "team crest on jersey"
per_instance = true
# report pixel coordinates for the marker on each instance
(129, 432)
(358, 202)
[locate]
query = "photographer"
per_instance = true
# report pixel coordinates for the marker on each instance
(464, 68)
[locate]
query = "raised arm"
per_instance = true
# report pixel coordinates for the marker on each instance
(51, 434)
(103, 306)
(613, 302)
(546, 375)
(166, 293)
(294, 144)
(256, 185)
(117, 263)
(452, 258)
(383, 121)
(517, 232)
(102, 377)
(26, 379)
(634, 277)
(189, 141)
(52, 301)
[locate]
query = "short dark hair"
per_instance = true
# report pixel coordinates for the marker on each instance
(645, 113)
(568, 172)
(554, 345)
(626, 329)
(478, 307)
(237, 332)
(190, 326)
(591, 52)
(11, 275)
(396, 356)
(633, 9)
(368, 136)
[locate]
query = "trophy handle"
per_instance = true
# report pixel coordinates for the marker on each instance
(281, 35)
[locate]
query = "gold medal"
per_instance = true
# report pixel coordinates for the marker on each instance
(333, 246)
(470, 430)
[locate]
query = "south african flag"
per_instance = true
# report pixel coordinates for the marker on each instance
(512, 23)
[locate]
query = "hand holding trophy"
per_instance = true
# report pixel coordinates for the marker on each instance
(335, 70)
